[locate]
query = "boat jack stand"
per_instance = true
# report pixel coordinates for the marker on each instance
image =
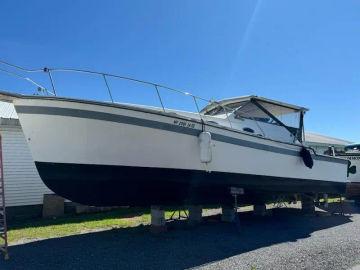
(235, 192)
(280, 202)
(339, 209)
(307, 204)
(178, 215)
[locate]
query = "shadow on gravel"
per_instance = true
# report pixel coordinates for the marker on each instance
(344, 207)
(136, 248)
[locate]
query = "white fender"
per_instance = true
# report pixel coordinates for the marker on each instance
(205, 147)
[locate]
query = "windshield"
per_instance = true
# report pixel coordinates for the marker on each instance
(288, 116)
(274, 120)
(218, 110)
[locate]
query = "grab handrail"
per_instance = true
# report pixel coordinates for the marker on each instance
(13, 74)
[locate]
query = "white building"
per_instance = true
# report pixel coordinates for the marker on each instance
(321, 143)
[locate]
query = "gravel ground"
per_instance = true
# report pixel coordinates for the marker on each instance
(285, 240)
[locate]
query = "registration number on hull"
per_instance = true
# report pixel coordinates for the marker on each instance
(353, 158)
(184, 124)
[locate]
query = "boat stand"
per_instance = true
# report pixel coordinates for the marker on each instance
(193, 215)
(178, 215)
(3, 227)
(280, 202)
(235, 192)
(308, 204)
(339, 209)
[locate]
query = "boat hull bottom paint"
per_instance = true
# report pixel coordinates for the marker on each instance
(104, 185)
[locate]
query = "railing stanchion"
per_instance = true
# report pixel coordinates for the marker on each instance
(108, 88)
(158, 93)
(105, 75)
(196, 104)
(227, 115)
(52, 81)
(197, 107)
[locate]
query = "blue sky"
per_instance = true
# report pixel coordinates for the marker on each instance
(303, 52)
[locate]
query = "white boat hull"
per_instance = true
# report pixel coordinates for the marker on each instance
(103, 154)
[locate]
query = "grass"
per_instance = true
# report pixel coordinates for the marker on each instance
(76, 224)
(332, 200)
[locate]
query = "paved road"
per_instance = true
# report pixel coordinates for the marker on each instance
(285, 240)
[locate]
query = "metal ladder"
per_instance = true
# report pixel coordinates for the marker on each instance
(3, 227)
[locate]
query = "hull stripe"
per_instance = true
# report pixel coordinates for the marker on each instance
(69, 112)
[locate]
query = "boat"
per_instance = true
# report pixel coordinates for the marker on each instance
(113, 154)
(352, 154)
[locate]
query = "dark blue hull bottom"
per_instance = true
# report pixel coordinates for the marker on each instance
(103, 185)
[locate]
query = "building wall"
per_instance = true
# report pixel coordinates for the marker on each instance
(321, 142)
(23, 185)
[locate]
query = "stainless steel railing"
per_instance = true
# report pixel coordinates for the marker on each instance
(105, 76)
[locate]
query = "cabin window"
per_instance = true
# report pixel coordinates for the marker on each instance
(229, 108)
(287, 116)
(276, 120)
